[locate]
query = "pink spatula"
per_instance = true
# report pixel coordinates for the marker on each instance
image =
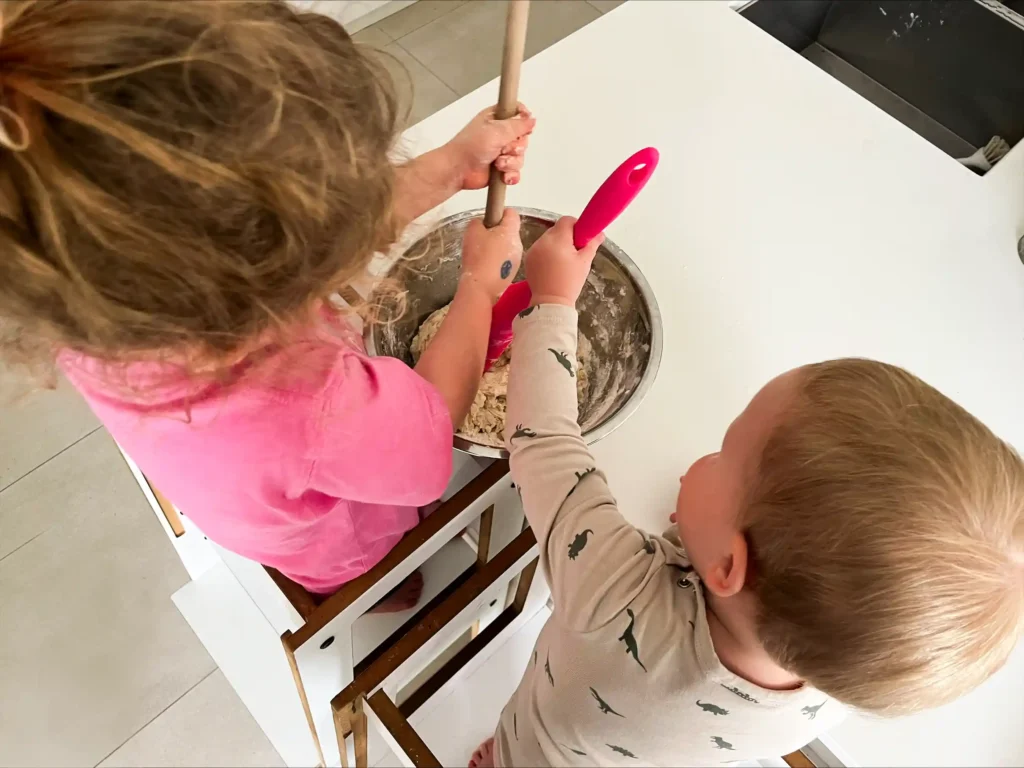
(611, 199)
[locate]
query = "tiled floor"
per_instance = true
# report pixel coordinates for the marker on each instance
(96, 665)
(451, 47)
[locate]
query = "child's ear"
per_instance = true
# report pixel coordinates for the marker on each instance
(729, 573)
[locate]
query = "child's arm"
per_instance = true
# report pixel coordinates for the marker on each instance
(463, 163)
(454, 360)
(595, 561)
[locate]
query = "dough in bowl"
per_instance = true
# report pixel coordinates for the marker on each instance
(486, 420)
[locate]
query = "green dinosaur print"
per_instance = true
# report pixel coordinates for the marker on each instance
(515, 726)
(721, 743)
(522, 431)
(648, 546)
(603, 705)
(630, 641)
(579, 479)
(738, 692)
(526, 312)
(744, 696)
(563, 360)
(621, 751)
(812, 712)
(547, 669)
(716, 711)
(579, 543)
(574, 751)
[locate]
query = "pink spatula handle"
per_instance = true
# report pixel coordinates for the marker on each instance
(614, 196)
(514, 300)
(611, 199)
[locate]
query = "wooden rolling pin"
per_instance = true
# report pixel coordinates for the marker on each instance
(508, 98)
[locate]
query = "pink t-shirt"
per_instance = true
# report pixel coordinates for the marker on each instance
(318, 474)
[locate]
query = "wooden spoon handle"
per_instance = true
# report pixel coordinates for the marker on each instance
(508, 98)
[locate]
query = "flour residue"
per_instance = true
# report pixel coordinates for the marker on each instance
(485, 422)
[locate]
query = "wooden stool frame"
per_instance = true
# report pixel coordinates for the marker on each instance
(475, 500)
(365, 701)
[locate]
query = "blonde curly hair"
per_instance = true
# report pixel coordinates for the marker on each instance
(178, 179)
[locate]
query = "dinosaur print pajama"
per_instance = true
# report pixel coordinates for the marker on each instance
(624, 672)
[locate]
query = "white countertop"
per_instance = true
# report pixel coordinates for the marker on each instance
(789, 221)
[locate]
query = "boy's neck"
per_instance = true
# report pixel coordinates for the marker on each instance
(731, 621)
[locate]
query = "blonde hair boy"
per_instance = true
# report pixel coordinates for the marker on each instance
(857, 540)
(887, 537)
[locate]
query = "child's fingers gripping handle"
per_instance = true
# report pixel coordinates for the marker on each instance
(589, 251)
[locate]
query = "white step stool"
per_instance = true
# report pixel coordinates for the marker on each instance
(244, 613)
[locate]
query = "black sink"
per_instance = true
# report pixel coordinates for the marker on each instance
(951, 70)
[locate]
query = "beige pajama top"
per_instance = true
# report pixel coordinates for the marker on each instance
(624, 672)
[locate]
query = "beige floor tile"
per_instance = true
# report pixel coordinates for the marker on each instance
(35, 427)
(417, 15)
(208, 726)
(606, 5)
(463, 48)
(92, 648)
(416, 82)
(372, 36)
(66, 486)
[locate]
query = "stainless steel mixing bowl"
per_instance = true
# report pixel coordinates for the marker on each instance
(618, 314)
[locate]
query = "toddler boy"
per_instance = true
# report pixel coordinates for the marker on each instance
(857, 541)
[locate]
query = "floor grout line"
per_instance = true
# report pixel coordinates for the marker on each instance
(432, 72)
(398, 41)
(440, 79)
(23, 544)
(454, 7)
(150, 721)
(378, 27)
(58, 453)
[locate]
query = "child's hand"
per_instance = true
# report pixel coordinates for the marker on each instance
(555, 270)
(487, 140)
(491, 257)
